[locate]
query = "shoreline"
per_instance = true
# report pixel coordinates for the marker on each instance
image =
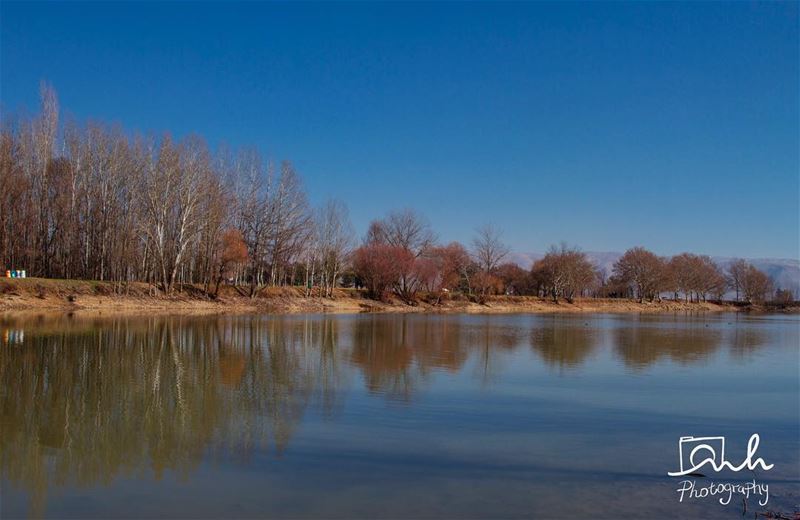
(38, 295)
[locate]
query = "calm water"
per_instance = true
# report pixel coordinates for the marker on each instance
(390, 416)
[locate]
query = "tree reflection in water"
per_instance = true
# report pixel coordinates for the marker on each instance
(745, 341)
(83, 402)
(91, 403)
(563, 344)
(396, 352)
(644, 344)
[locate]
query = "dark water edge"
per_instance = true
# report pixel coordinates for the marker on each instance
(390, 416)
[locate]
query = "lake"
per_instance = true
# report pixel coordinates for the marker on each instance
(392, 416)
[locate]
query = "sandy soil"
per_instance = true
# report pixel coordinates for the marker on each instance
(93, 297)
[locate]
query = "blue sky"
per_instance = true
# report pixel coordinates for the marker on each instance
(668, 125)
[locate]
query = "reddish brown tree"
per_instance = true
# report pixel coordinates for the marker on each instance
(233, 253)
(643, 272)
(379, 267)
(428, 271)
(756, 285)
(486, 284)
(515, 279)
(408, 269)
(455, 267)
(443, 269)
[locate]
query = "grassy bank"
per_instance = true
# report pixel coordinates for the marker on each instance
(39, 294)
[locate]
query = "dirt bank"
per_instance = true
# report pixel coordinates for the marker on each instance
(38, 294)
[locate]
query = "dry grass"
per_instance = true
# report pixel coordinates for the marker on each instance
(38, 294)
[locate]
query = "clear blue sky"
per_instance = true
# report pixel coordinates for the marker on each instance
(668, 125)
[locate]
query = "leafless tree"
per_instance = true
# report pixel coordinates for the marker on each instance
(737, 272)
(171, 201)
(216, 241)
(405, 228)
(290, 221)
(36, 147)
(335, 241)
(488, 247)
(254, 210)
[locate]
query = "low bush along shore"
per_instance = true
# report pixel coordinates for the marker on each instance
(40, 294)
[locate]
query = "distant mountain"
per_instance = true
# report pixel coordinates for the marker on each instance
(785, 272)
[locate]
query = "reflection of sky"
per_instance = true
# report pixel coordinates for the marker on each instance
(510, 432)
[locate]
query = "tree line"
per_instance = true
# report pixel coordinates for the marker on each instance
(89, 201)
(399, 257)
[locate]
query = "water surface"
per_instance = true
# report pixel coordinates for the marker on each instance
(390, 416)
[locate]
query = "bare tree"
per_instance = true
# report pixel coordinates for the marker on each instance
(310, 257)
(216, 245)
(335, 239)
(289, 222)
(253, 212)
(488, 248)
(12, 212)
(737, 272)
(171, 200)
(36, 147)
(405, 228)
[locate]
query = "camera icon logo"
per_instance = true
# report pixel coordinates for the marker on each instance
(691, 448)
